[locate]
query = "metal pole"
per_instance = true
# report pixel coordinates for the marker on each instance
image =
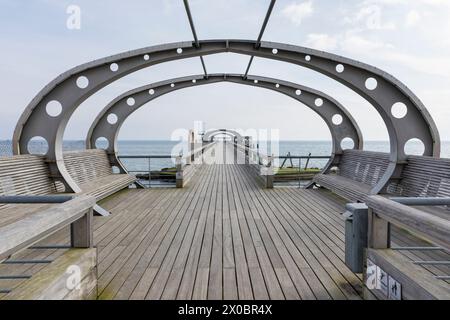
(149, 172)
(261, 32)
(307, 161)
(194, 33)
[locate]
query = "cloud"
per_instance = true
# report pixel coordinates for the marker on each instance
(321, 41)
(371, 17)
(296, 12)
(352, 43)
(412, 18)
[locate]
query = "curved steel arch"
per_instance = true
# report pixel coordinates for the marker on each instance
(212, 133)
(416, 124)
(119, 107)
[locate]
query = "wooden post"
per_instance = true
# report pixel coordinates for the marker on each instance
(269, 173)
(179, 174)
(81, 231)
(379, 232)
(191, 147)
(247, 146)
(236, 150)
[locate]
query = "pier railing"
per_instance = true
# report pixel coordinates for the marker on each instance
(299, 173)
(264, 165)
(184, 167)
(388, 273)
(145, 175)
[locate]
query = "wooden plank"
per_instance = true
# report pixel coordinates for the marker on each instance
(304, 247)
(416, 285)
(23, 233)
(52, 282)
(431, 227)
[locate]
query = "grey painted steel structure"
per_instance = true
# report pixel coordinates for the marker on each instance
(35, 121)
(210, 134)
(121, 110)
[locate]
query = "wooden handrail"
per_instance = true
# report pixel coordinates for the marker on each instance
(24, 233)
(429, 226)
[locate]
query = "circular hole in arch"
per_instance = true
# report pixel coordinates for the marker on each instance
(179, 51)
(347, 143)
(102, 143)
(337, 119)
(255, 81)
(399, 110)
(298, 92)
(274, 51)
(115, 169)
(38, 146)
(131, 101)
(194, 81)
(151, 92)
(172, 85)
(82, 82)
(112, 118)
(414, 147)
(114, 67)
(308, 58)
(146, 57)
(318, 102)
(277, 85)
(53, 108)
(340, 68)
(371, 84)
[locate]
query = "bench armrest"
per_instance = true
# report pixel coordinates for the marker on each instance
(23, 233)
(429, 226)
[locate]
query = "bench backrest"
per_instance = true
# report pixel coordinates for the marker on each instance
(425, 177)
(25, 175)
(363, 166)
(83, 166)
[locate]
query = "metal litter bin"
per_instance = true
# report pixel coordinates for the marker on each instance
(356, 226)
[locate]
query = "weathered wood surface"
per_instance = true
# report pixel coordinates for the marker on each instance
(358, 172)
(24, 175)
(431, 227)
(25, 232)
(92, 171)
(416, 284)
(222, 237)
(60, 280)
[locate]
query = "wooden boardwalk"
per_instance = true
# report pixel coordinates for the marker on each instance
(221, 237)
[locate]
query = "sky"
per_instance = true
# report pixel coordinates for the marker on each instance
(409, 39)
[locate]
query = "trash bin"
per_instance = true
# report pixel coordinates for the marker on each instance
(356, 226)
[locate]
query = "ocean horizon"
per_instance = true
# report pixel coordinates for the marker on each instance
(165, 147)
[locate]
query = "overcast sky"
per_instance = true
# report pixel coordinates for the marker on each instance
(408, 38)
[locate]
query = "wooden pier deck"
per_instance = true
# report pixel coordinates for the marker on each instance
(220, 237)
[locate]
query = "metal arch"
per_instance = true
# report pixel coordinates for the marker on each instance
(416, 124)
(211, 133)
(102, 128)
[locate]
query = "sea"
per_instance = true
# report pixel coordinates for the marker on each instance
(160, 147)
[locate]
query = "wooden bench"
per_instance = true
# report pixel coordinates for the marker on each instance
(425, 177)
(51, 281)
(358, 172)
(92, 172)
(23, 175)
(29, 175)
